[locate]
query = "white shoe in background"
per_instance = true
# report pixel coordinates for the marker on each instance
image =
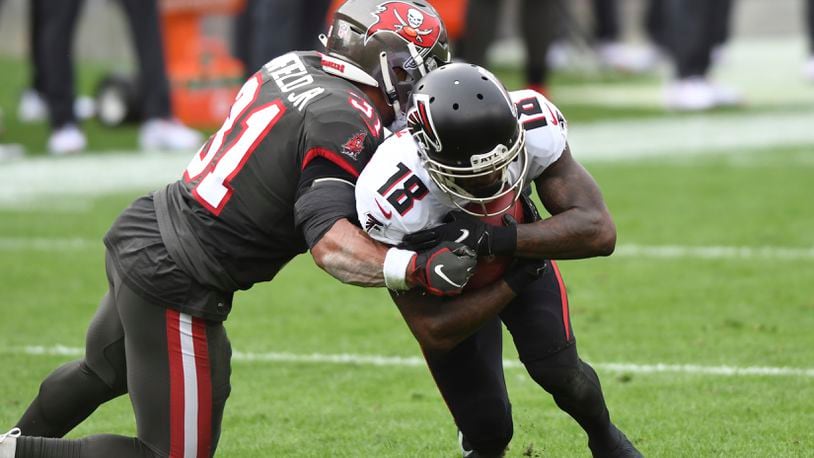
(808, 69)
(32, 107)
(626, 58)
(698, 93)
(689, 94)
(68, 139)
(165, 134)
(726, 96)
(84, 107)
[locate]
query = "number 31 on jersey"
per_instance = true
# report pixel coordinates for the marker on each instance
(217, 163)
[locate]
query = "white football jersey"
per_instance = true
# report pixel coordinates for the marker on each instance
(395, 195)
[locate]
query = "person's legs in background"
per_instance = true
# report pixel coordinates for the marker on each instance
(539, 28)
(655, 24)
(691, 37)
(158, 130)
(481, 27)
(314, 22)
(721, 17)
(808, 70)
(55, 33)
(608, 41)
(275, 28)
(32, 104)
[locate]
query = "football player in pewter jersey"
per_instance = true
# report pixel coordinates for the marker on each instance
(275, 181)
(470, 150)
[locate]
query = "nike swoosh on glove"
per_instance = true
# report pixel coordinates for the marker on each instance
(444, 269)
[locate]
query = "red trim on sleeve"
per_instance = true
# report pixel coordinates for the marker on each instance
(332, 156)
(564, 301)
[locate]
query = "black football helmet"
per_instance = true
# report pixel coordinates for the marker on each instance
(468, 133)
(386, 44)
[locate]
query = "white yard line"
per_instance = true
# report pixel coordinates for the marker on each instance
(713, 252)
(624, 251)
(399, 361)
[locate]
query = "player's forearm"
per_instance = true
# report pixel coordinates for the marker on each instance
(441, 324)
(573, 234)
(350, 256)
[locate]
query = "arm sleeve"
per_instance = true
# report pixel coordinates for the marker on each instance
(323, 203)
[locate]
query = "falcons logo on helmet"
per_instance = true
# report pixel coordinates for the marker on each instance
(419, 121)
(411, 24)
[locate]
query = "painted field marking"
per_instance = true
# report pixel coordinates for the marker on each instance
(412, 361)
(623, 251)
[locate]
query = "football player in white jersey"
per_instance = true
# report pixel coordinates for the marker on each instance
(470, 152)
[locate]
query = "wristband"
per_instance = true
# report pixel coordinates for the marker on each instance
(504, 240)
(395, 268)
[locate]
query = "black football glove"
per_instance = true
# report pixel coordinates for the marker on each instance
(484, 238)
(444, 269)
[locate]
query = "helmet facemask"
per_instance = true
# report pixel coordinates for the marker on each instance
(452, 179)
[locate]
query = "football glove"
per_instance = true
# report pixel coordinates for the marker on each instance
(485, 239)
(444, 269)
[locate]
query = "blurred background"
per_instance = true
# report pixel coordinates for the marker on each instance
(597, 56)
(696, 117)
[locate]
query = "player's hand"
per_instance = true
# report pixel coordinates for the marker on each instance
(464, 228)
(523, 272)
(444, 269)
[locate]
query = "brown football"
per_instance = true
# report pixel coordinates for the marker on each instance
(491, 268)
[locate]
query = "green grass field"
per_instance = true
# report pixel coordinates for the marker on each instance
(713, 274)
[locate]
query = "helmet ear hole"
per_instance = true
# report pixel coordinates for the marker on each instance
(480, 96)
(454, 106)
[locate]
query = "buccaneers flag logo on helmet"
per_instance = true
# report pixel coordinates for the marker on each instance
(411, 24)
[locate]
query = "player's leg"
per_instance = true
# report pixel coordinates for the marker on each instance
(470, 379)
(178, 369)
(72, 392)
(539, 322)
(178, 379)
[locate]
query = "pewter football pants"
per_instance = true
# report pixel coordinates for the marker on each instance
(175, 368)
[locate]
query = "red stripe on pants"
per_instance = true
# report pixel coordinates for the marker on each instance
(563, 301)
(173, 319)
(203, 370)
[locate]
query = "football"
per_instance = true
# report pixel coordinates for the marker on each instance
(491, 268)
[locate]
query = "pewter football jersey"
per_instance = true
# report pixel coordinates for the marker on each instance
(395, 195)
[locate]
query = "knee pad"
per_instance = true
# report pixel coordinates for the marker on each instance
(487, 425)
(574, 388)
(563, 373)
(108, 365)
